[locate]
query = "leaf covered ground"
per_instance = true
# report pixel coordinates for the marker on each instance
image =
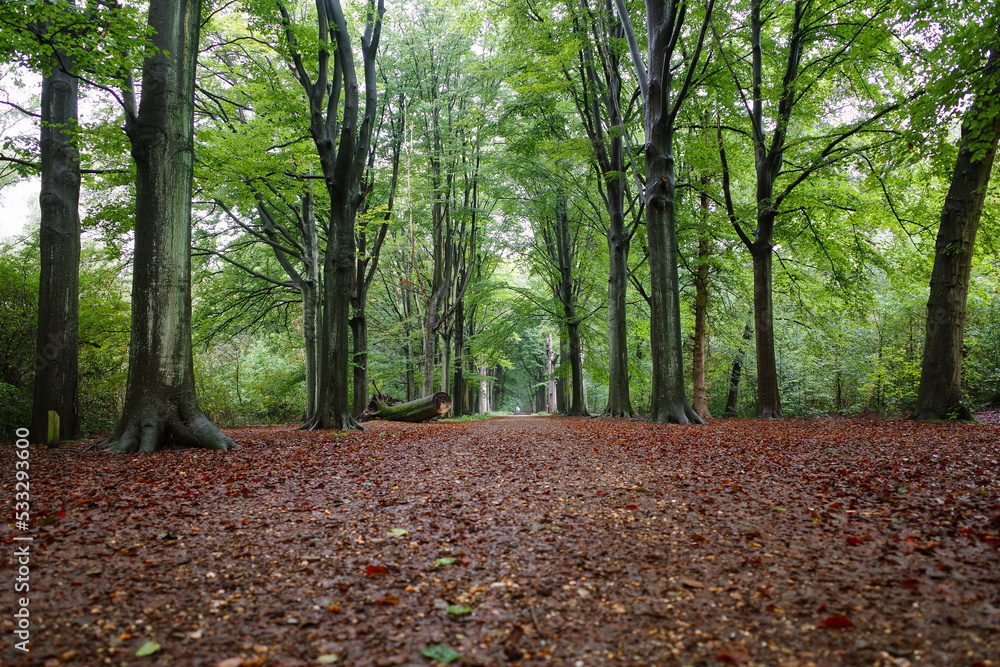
(523, 540)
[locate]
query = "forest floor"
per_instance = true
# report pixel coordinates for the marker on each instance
(521, 541)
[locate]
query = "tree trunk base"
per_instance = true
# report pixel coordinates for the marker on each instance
(770, 413)
(342, 422)
(182, 427)
(679, 413)
(619, 413)
(952, 413)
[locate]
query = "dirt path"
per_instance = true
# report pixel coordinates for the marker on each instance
(528, 540)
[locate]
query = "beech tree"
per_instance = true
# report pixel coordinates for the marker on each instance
(342, 144)
(57, 348)
(661, 104)
(820, 45)
(160, 405)
(940, 393)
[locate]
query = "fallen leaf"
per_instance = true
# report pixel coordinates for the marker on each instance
(149, 648)
(377, 571)
(442, 654)
(838, 621)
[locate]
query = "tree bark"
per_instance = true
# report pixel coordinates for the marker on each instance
(160, 407)
(550, 353)
(619, 399)
(342, 161)
(733, 398)
(768, 397)
(458, 382)
(668, 402)
(57, 346)
(359, 367)
(700, 403)
(940, 392)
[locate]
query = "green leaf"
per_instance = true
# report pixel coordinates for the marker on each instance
(444, 561)
(398, 532)
(149, 648)
(777, 509)
(458, 609)
(442, 654)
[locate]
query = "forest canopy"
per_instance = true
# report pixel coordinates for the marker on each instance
(772, 211)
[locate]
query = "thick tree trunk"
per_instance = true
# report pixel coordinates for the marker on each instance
(160, 407)
(768, 399)
(668, 402)
(57, 346)
(419, 410)
(333, 410)
(733, 398)
(940, 392)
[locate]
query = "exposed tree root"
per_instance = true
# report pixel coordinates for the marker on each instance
(341, 422)
(770, 413)
(620, 413)
(150, 430)
(676, 413)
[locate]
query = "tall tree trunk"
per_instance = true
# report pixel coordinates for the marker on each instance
(619, 400)
(668, 402)
(940, 393)
(700, 404)
(160, 407)
(768, 398)
(484, 391)
(333, 409)
(561, 380)
(458, 384)
(311, 318)
(578, 403)
(359, 339)
(342, 160)
(550, 353)
(57, 346)
(566, 257)
(430, 350)
(733, 398)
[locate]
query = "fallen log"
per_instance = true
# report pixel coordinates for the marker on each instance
(418, 410)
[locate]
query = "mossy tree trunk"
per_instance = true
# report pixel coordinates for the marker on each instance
(160, 407)
(940, 393)
(57, 346)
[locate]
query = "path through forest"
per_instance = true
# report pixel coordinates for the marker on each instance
(524, 540)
